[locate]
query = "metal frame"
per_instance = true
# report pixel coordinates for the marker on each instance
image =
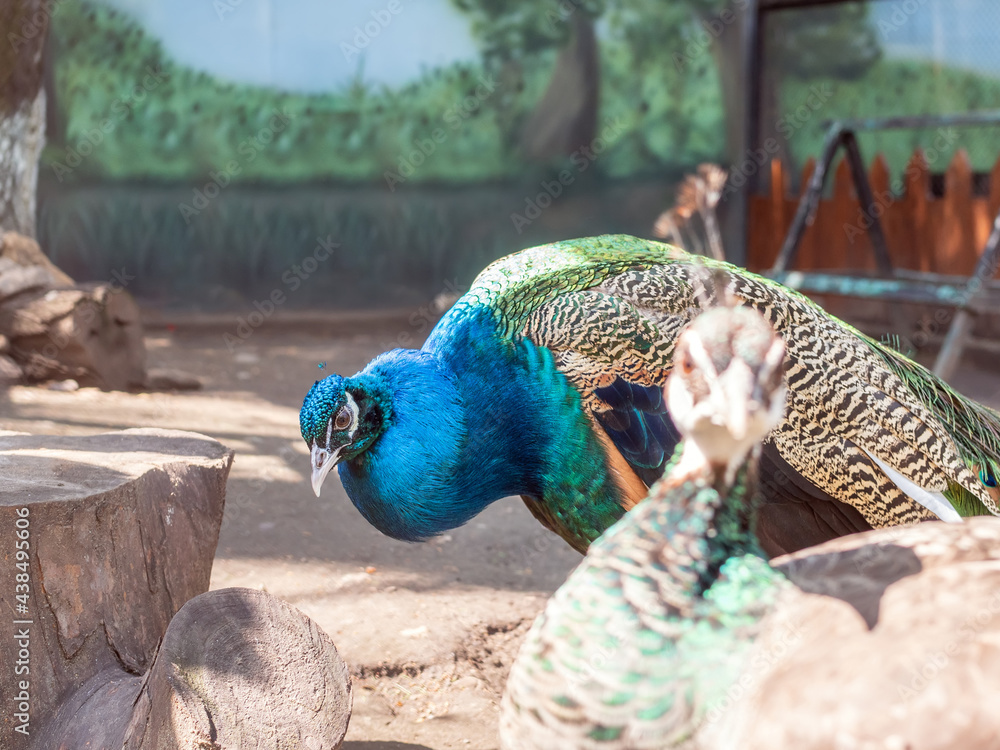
(968, 296)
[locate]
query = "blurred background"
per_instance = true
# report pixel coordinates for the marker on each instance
(207, 146)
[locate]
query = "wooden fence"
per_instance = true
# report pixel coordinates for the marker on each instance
(942, 235)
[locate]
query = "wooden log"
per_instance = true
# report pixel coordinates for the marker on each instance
(237, 669)
(102, 540)
(91, 333)
(56, 330)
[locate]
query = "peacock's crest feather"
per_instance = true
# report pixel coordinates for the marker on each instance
(320, 402)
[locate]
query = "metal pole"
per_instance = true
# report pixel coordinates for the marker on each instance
(867, 199)
(810, 201)
(954, 343)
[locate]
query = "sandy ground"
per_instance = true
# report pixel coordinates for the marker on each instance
(429, 630)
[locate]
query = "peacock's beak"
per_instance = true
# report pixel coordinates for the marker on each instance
(322, 462)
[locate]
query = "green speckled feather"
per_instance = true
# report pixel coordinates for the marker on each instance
(611, 307)
(638, 648)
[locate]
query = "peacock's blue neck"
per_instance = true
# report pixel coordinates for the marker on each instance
(471, 421)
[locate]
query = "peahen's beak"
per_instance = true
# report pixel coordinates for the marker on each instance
(322, 462)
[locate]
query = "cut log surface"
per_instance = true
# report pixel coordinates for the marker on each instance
(121, 530)
(242, 669)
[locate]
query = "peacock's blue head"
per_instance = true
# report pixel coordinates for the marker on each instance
(396, 432)
(340, 418)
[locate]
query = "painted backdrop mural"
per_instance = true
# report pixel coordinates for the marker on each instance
(212, 145)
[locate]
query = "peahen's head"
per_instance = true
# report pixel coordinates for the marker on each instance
(726, 391)
(340, 418)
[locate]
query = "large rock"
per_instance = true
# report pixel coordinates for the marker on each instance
(108, 536)
(898, 648)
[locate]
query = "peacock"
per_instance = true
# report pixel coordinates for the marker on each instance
(656, 623)
(545, 380)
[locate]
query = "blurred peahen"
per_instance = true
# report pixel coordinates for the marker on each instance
(655, 625)
(545, 380)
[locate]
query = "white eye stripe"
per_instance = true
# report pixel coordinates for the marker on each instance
(352, 407)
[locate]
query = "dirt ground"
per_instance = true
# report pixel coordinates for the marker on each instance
(429, 630)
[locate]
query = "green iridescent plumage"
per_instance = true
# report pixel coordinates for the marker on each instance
(869, 438)
(638, 648)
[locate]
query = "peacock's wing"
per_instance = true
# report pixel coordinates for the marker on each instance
(614, 342)
(869, 438)
(869, 427)
(617, 356)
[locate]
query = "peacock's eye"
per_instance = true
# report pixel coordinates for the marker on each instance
(987, 478)
(343, 418)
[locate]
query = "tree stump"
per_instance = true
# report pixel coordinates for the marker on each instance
(106, 543)
(55, 330)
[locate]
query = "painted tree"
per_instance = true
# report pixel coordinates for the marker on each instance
(22, 108)
(664, 38)
(825, 42)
